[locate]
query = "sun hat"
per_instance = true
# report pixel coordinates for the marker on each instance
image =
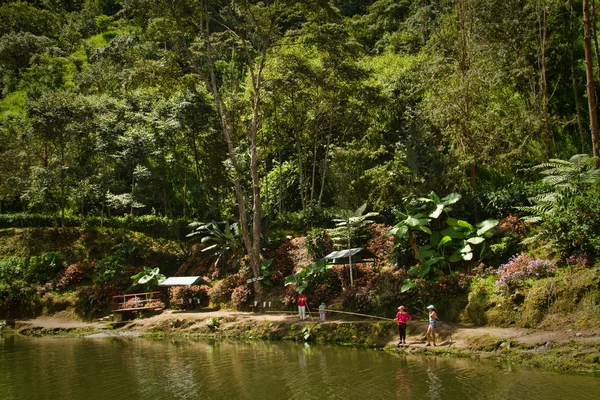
(429, 307)
(401, 308)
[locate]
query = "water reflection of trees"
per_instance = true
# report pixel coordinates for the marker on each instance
(191, 369)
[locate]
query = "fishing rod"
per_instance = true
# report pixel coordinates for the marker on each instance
(427, 315)
(452, 327)
(340, 312)
(362, 315)
(308, 309)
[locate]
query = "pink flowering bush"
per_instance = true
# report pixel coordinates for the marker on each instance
(74, 273)
(241, 295)
(520, 268)
(182, 294)
(222, 290)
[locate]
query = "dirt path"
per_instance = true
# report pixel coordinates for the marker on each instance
(450, 334)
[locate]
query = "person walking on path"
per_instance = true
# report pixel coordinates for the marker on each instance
(433, 321)
(322, 309)
(302, 306)
(403, 317)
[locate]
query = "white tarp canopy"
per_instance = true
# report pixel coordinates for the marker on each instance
(357, 254)
(181, 281)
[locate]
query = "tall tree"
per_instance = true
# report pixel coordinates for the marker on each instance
(589, 72)
(57, 120)
(227, 45)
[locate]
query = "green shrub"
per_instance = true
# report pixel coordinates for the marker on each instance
(45, 268)
(95, 300)
(103, 22)
(25, 220)
(289, 220)
(213, 323)
(576, 228)
(109, 271)
(18, 299)
(318, 243)
(12, 268)
(151, 225)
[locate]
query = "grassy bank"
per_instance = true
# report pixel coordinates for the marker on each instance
(541, 349)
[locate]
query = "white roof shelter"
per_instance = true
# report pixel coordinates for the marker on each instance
(181, 281)
(358, 254)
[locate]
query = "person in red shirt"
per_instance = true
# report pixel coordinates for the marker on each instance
(302, 306)
(403, 317)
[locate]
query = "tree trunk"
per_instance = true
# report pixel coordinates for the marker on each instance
(543, 37)
(349, 256)
(280, 200)
(326, 157)
(254, 254)
(589, 69)
(574, 82)
(62, 184)
(595, 38)
(132, 192)
(301, 176)
(314, 171)
(464, 66)
(184, 199)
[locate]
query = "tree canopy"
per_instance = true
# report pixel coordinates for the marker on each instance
(256, 110)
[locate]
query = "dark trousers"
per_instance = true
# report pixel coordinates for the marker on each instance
(402, 332)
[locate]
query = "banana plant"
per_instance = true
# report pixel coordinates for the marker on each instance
(148, 278)
(303, 277)
(265, 270)
(456, 242)
(224, 245)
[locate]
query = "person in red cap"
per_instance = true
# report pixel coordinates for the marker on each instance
(302, 306)
(403, 317)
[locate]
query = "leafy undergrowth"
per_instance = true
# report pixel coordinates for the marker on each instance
(572, 356)
(48, 270)
(61, 332)
(351, 333)
(570, 299)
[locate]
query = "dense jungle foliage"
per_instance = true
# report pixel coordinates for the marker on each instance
(451, 138)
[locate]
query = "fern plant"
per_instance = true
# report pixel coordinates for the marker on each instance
(563, 179)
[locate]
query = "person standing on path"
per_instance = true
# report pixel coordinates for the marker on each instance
(322, 309)
(403, 317)
(433, 321)
(302, 306)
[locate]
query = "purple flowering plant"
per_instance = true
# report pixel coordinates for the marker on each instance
(521, 267)
(577, 261)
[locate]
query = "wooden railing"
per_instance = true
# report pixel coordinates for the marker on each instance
(137, 301)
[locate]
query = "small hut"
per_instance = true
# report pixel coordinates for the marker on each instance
(186, 299)
(349, 257)
(356, 255)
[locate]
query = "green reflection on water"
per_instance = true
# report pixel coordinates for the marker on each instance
(131, 368)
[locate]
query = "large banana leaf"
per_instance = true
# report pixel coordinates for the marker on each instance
(486, 226)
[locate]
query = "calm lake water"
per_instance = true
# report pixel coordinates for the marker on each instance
(133, 368)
